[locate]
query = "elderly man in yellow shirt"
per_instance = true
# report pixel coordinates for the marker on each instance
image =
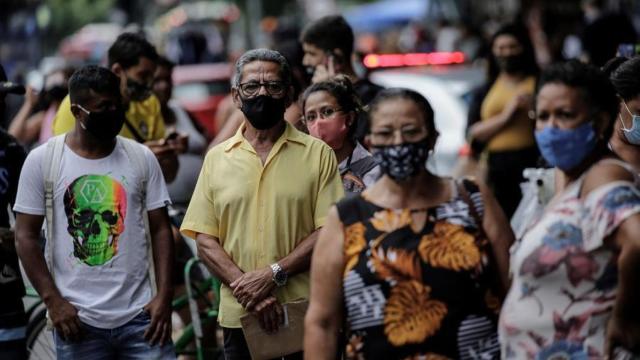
(133, 59)
(260, 200)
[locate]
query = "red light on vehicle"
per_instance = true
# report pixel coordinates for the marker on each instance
(415, 59)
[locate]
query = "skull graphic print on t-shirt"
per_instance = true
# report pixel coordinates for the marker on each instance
(96, 207)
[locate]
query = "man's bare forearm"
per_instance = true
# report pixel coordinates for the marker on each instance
(299, 260)
(217, 259)
(30, 254)
(163, 250)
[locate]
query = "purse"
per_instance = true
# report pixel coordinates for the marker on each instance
(287, 340)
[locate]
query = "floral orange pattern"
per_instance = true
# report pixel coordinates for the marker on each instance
(396, 264)
(449, 247)
(354, 242)
(390, 220)
(410, 315)
(354, 348)
(402, 286)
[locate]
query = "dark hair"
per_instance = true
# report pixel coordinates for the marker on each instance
(261, 55)
(626, 79)
(406, 94)
(328, 33)
(166, 63)
(92, 77)
(341, 88)
(529, 66)
(596, 90)
(129, 48)
(612, 65)
(292, 51)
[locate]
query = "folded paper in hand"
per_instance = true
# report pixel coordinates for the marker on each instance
(287, 340)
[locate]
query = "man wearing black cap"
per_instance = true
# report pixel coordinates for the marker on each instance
(13, 320)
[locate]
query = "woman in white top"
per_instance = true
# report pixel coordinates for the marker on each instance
(574, 291)
(330, 111)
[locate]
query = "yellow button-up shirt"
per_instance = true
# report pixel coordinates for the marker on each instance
(261, 213)
(145, 116)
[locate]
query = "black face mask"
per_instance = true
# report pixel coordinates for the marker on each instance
(510, 64)
(138, 91)
(104, 125)
(404, 161)
(263, 112)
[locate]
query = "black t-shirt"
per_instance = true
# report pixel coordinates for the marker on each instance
(12, 156)
(366, 91)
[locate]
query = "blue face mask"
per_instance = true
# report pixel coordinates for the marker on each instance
(632, 135)
(566, 149)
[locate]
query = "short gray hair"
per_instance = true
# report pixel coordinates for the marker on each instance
(262, 55)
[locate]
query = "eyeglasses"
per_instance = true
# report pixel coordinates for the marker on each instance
(387, 136)
(323, 113)
(274, 88)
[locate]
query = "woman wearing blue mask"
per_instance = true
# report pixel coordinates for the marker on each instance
(625, 141)
(574, 291)
(415, 266)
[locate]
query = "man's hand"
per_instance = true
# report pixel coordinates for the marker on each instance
(324, 72)
(179, 143)
(269, 313)
(65, 319)
(159, 309)
(160, 148)
(252, 287)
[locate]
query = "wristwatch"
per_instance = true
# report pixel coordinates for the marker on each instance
(279, 275)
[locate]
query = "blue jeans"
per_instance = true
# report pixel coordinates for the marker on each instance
(124, 342)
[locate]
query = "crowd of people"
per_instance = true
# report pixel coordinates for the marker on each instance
(322, 193)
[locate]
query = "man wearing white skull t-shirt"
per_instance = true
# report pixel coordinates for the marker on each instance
(97, 285)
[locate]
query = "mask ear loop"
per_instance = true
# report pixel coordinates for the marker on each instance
(630, 113)
(82, 125)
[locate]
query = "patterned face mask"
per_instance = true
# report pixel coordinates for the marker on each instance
(403, 161)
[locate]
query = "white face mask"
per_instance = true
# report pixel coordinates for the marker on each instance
(633, 134)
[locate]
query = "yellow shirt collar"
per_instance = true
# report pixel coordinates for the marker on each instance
(290, 134)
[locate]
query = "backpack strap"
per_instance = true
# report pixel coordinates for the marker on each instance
(134, 131)
(135, 153)
(361, 167)
(51, 171)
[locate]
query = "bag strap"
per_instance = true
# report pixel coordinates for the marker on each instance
(462, 190)
(134, 131)
(135, 153)
(51, 170)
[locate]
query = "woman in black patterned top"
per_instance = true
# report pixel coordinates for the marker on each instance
(415, 266)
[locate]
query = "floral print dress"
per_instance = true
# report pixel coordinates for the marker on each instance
(564, 276)
(417, 295)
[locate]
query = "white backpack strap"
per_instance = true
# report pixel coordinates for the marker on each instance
(135, 153)
(50, 171)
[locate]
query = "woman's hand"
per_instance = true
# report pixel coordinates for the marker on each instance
(519, 103)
